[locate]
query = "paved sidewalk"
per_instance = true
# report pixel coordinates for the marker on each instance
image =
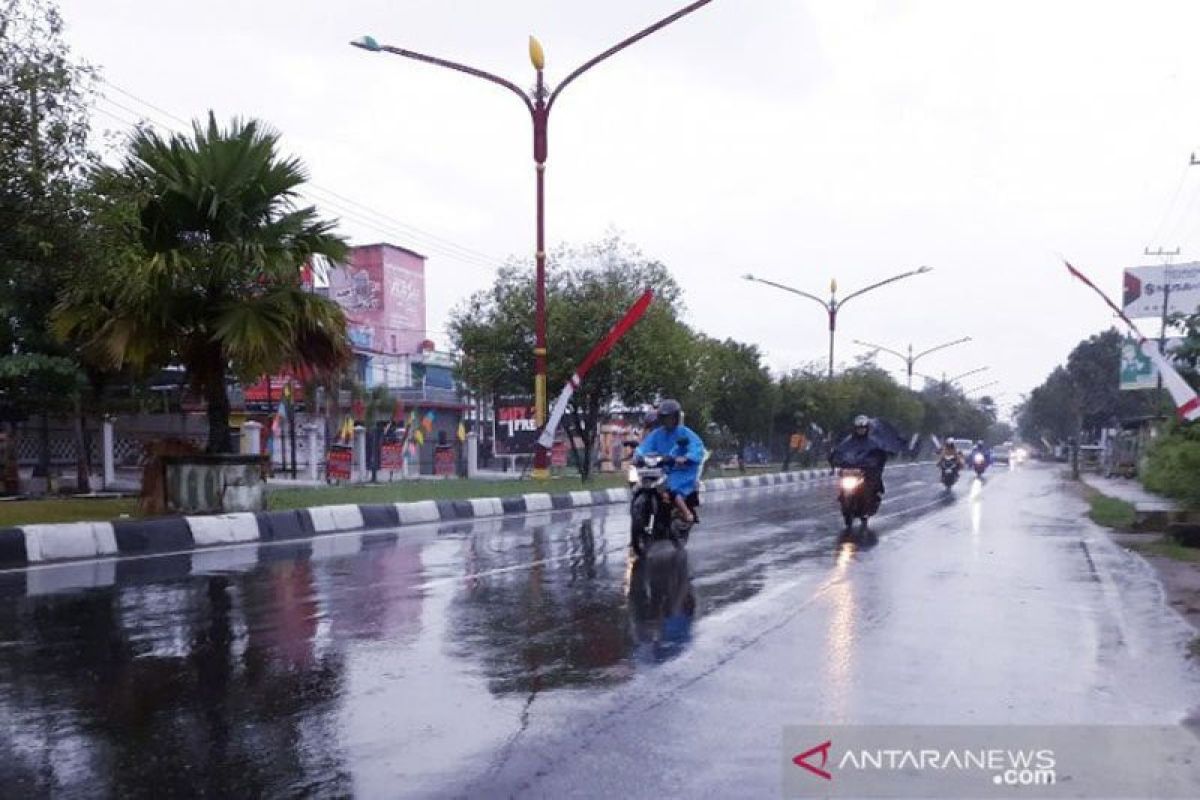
(1131, 491)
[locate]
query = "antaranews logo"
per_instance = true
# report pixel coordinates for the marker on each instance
(820, 771)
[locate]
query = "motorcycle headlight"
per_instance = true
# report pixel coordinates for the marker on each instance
(850, 483)
(978, 458)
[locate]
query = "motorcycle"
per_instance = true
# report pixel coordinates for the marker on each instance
(949, 469)
(854, 498)
(979, 464)
(653, 517)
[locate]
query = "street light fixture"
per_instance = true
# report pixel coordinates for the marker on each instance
(948, 381)
(911, 359)
(981, 388)
(833, 305)
(538, 102)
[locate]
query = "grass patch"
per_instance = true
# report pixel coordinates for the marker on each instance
(1111, 512)
(30, 512)
(1167, 547)
(410, 491)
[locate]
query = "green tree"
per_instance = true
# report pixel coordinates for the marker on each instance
(587, 291)
(1052, 410)
(734, 392)
(212, 280)
(1094, 367)
(44, 162)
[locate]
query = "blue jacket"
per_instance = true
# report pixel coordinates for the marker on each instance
(682, 479)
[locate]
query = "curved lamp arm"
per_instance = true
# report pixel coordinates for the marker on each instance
(941, 347)
(884, 349)
(619, 46)
(812, 297)
(369, 44)
(873, 286)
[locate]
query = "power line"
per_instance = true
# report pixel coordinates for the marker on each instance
(379, 220)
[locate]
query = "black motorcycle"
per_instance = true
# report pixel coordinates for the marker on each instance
(949, 469)
(855, 497)
(652, 515)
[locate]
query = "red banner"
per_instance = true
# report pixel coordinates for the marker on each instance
(391, 458)
(444, 462)
(338, 463)
(558, 454)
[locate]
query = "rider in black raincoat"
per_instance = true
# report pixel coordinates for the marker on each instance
(868, 448)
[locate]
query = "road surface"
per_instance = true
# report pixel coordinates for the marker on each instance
(528, 657)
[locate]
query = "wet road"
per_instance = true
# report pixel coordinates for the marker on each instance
(527, 656)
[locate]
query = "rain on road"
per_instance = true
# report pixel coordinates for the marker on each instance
(527, 655)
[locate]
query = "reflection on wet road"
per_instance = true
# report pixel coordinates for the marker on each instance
(454, 660)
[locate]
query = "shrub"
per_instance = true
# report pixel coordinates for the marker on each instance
(1173, 465)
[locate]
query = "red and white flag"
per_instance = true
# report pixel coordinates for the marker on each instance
(598, 352)
(1187, 403)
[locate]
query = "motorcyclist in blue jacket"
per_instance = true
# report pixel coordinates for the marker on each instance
(981, 449)
(683, 446)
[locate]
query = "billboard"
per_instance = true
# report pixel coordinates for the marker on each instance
(1145, 288)
(516, 426)
(382, 290)
(1137, 371)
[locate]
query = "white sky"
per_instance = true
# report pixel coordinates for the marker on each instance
(796, 140)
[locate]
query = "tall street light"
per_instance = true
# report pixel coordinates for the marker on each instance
(911, 359)
(538, 103)
(833, 305)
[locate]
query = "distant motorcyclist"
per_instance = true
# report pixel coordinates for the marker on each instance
(980, 449)
(674, 440)
(859, 450)
(950, 451)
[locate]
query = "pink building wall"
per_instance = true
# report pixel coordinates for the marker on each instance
(382, 291)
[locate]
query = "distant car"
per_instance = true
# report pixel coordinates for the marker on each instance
(1001, 454)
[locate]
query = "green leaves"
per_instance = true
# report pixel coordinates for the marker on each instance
(208, 274)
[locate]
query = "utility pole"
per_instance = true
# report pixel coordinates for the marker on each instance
(1166, 256)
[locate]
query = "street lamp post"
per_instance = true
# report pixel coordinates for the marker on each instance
(910, 359)
(538, 103)
(833, 305)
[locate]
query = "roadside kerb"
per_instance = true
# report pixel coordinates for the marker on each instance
(35, 544)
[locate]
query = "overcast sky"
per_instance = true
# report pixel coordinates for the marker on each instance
(796, 140)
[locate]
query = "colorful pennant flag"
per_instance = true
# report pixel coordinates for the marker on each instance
(427, 422)
(462, 431)
(419, 436)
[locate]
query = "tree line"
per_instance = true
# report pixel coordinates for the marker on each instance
(120, 258)
(729, 395)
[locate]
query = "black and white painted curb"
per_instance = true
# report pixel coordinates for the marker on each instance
(37, 544)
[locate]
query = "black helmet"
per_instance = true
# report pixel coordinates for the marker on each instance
(670, 408)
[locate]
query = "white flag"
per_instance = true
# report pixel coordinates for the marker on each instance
(1186, 401)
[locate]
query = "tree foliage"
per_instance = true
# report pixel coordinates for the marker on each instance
(211, 275)
(588, 289)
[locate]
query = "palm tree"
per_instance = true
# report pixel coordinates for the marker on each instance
(214, 281)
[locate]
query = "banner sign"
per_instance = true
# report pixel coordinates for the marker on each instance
(391, 457)
(1137, 370)
(1145, 288)
(444, 462)
(516, 426)
(338, 463)
(1187, 402)
(558, 454)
